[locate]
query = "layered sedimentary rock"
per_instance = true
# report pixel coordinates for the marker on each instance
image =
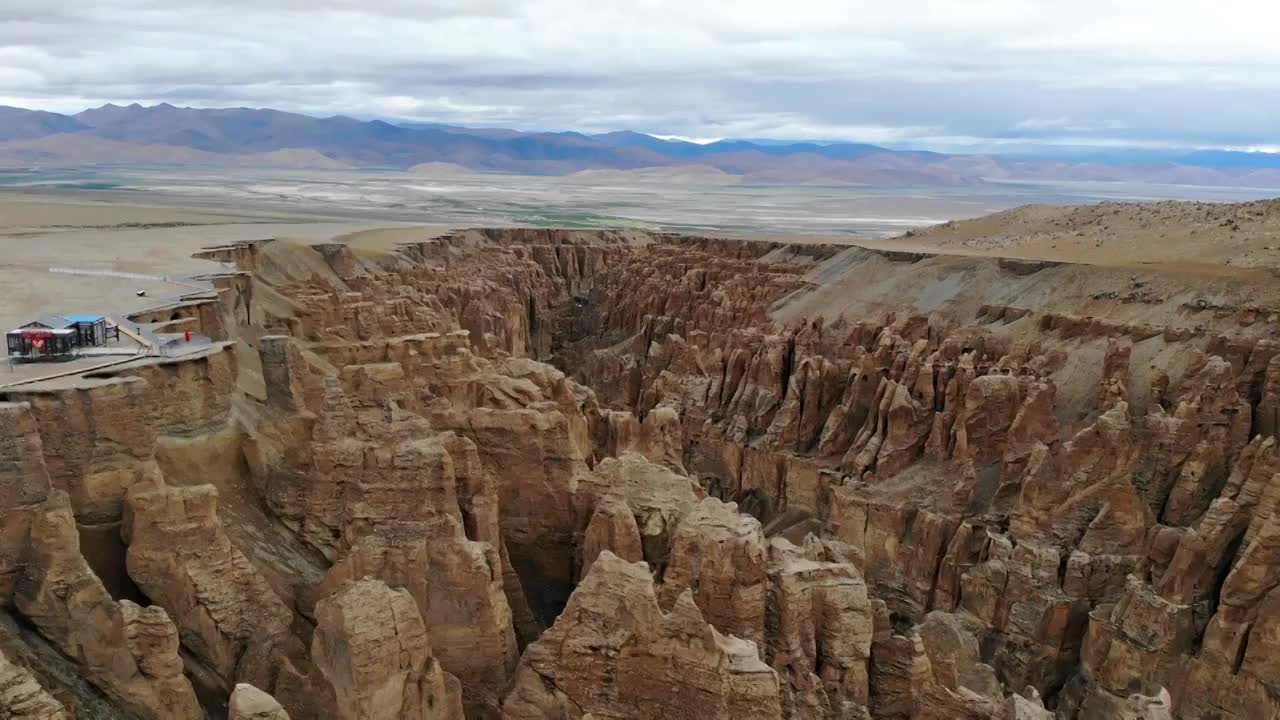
(720, 556)
(573, 474)
(22, 698)
(457, 585)
(819, 627)
(613, 528)
(614, 653)
(227, 614)
(659, 499)
(129, 653)
(373, 658)
(101, 439)
(658, 436)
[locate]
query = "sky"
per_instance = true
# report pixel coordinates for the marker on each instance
(950, 75)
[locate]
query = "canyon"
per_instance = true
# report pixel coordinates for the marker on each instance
(534, 474)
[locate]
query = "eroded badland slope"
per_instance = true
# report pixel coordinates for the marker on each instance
(1239, 235)
(540, 475)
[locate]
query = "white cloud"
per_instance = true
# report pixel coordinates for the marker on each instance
(682, 138)
(876, 71)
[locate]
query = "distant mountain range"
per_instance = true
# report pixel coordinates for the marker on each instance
(164, 134)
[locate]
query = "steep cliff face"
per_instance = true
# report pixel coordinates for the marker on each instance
(226, 613)
(129, 653)
(373, 658)
(977, 473)
(561, 474)
(22, 698)
(614, 653)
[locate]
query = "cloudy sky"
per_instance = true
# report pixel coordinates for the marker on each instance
(941, 74)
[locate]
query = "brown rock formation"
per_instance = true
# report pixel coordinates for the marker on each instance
(373, 659)
(97, 456)
(819, 627)
(659, 437)
(671, 665)
(659, 499)
(719, 555)
(128, 652)
(457, 585)
(613, 528)
(249, 703)
(227, 614)
(22, 698)
(1269, 407)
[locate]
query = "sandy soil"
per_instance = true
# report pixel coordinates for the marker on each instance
(1167, 233)
(40, 234)
(42, 215)
(386, 239)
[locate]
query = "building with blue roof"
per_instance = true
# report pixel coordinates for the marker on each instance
(58, 337)
(92, 329)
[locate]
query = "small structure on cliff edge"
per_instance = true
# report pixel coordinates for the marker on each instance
(58, 338)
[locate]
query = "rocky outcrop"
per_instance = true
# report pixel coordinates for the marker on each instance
(659, 436)
(373, 659)
(1269, 407)
(671, 665)
(457, 585)
(934, 671)
(819, 630)
(101, 439)
(130, 653)
(227, 614)
(658, 498)
(531, 438)
(24, 491)
(613, 528)
(1011, 473)
(22, 698)
(991, 404)
(720, 557)
(249, 703)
